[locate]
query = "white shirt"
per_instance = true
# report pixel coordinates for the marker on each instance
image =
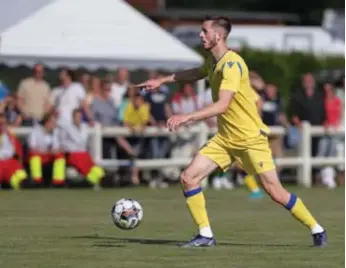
(204, 99)
(43, 142)
(74, 139)
(68, 99)
(185, 105)
(117, 93)
(6, 148)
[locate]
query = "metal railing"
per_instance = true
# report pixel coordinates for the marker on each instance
(303, 162)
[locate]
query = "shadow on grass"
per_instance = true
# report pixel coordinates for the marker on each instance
(110, 241)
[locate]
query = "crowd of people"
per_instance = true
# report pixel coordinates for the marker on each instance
(88, 99)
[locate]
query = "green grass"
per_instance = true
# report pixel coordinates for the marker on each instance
(73, 228)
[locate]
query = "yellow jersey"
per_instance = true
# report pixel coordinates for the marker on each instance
(137, 117)
(241, 123)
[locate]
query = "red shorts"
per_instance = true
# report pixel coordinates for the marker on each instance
(82, 161)
(8, 167)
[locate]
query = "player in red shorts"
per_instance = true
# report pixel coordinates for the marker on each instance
(11, 169)
(73, 138)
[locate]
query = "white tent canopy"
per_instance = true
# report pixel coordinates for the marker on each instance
(93, 34)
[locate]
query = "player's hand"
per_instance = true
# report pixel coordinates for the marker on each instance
(150, 84)
(176, 121)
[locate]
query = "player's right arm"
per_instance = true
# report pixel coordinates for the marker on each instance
(190, 75)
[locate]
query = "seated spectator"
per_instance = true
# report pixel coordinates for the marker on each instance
(12, 171)
(273, 115)
(11, 111)
(44, 149)
(69, 96)
(74, 141)
(3, 91)
(328, 144)
(105, 113)
(34, 96)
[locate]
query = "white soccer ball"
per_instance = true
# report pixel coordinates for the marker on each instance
(127, 214)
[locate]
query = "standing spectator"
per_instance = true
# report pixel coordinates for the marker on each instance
(85, 81)
(34, 96)
(105, 113)
(120, 85)
(205, 98)
(183, 102)
(308, 105)
(129, 95)
(69, 96)
(328, 144)
(160, 111)
(273, 115)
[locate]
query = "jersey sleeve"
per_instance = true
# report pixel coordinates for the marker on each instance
(231, 76)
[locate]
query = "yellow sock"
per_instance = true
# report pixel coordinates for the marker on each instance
(300, 212)
(95, 175)
(35, 167)
(251, 183)
(59, 167)
(196, 203)
(17, 178)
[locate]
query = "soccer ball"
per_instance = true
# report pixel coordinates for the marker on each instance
(127, 214)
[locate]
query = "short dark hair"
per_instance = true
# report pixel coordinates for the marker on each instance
(221, 21)
(75, 111)
(69, 73)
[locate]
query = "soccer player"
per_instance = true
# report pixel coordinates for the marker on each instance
(73, 139)
(11, 169)
(44, 148)
(241, 136)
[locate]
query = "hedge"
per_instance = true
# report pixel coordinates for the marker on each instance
(285, 69)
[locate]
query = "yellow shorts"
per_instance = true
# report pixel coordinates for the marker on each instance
(254, 157)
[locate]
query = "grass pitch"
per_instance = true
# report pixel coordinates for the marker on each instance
(73, 228)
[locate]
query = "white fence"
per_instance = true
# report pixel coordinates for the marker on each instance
(303, 162)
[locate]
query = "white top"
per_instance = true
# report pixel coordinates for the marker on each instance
(73, 138)
(117, 93)
(6, 148)
(43, 142)
(68, 99)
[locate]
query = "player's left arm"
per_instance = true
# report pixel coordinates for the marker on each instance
(229, 86)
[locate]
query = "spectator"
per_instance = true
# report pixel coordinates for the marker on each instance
(105, 113)
(273, 115)
(308, 105)
(3, 91)
(129, 95)
(183, 102)
(160, 111)
(85, 81)
(257, 82)
(328, 144)
(34, 96)
(119, 87)
(11, 111)
(204, 99)
(69, 96)
(94, 89)
(137, 114)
